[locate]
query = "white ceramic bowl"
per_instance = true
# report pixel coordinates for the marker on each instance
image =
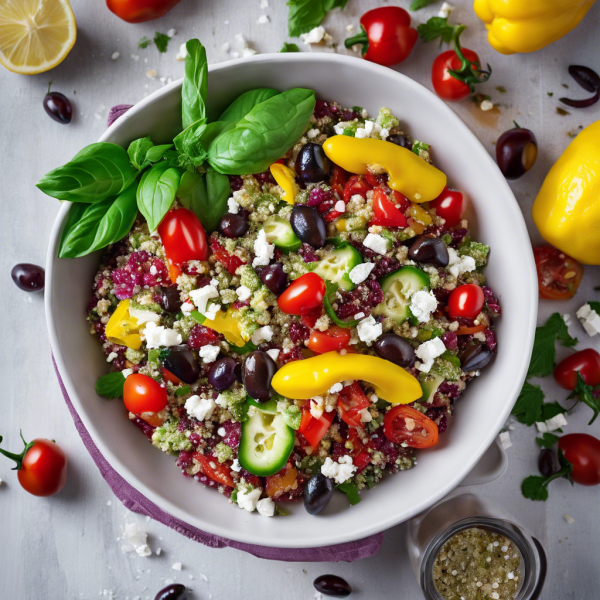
(480, 413)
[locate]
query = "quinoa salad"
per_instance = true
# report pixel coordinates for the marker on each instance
(301, 315)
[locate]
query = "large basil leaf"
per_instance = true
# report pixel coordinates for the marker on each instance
(94, 226)
(264, 135)
(195, 84)
(244, 103)
(304, 15)
(137, 151)
(156, 153)
(97, 172)
(205, 195)
(156, 192)
(193, 142)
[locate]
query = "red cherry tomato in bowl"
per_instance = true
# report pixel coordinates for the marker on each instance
(385, 213)
(445, 85)
(351, 401)
(466, 301)
(335, 338)
(449, 205)
(586, 363)
(303, 295)
(137, 11)
(183, 236)
(405, 425)
(583, 452)
(559, 275)
(142, 394)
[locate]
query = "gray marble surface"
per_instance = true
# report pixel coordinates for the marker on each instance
(66, 546)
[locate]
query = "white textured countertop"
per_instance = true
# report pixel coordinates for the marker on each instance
(66, 546)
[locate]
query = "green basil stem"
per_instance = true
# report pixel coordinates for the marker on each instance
(466, 73)
(18, 458)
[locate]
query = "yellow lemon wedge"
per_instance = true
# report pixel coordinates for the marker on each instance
(35, 35)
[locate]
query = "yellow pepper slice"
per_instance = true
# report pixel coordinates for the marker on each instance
(229, 326)
(286, 179)
(123, 329)
(303, 379)
(409, 174)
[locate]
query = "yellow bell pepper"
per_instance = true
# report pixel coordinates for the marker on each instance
(567, 208)
(529, 25)
(303, 379)
(228, 325)
(123, 329)
(286, 179)
(409, 174)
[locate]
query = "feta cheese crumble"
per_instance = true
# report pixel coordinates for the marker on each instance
(157, 336)
(314, 36)
(200, 408)
(369, 330)
(427, 352)
(589, 319)
(235, 466)
(248, 499)
(335, 388)
(445, 10)
(263, 20)
(263, 250)
(232, 206)
(181, 55)
(339, 471)
(264, 334)
(127, 372)
(340, 206)
(556, 422)
(274, 353)
(201, 296)
(422, 304)
(135, 540)
(265, 507)
(375, 242)
(243, 293)
(486, 105)
(176, 566)
(458, 265)
(317, 406)
(505, 441)
(360, 272)
(209, 353)
(143, 315)
(311, 134)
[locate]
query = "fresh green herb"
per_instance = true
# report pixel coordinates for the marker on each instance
(144, 42)
(528, 407)
(197, 316)
(544, 351)
(550, 94)
(535, 487)
(304, 15)
(436, 27)
(350, 490)
(162, 41)
(183, 390)
(595, 306)
(287, 47)
(110, 385)
(247, 347)
(97, 172)
(244, 103)
(156, 192)
(547, 440)
(265, 134)
(156, 153)
(195, 84)
(193, 142)
(418, 146)
(91, 227)
(419, 4)
(138, 150)
(585, 393)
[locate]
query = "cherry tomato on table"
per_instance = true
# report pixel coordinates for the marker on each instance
(303, 295)
(586, 363)
(405, 425)
(335, 338)
(385, 212)
(351, 401)
(137, 11)
(141, 395)
(559, 275)
(583, 452)
(41, 467)
(183, 236)
(466, 301)
(449, 205)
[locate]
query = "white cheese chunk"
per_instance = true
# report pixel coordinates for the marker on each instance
(127, 372)
(458, 265)
(427, 352)
(274, 353)
(248, 499)
(505, 441)
(200, 408)
(375, 242)
(235, 466)
(143, 315)
(265, 507)
(339, 471)
(369, 330)
(422, 304)
(590, 319)
(263, 250)
(201, 296)
(264, 334)
(360, 272)
(445, 10)
(243, 293)
(209, 353)
(314, 36)
(157, 336)
(233, 206)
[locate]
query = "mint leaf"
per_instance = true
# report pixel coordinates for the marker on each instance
(419, 4)
(144, 42)
(162, 41)
(351, 491)
(528, 407)
(544, 352)
(547, 440)
(436, 27)
(289, 47)
(533, 487)
(110, 385)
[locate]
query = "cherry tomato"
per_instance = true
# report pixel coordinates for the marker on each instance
(137, 11)
(385, 213)
(230, 261)
(41, 467)
(466, 301)
(174, 271)
(446, 86)
(303, 295)
(449, 205)
(405, 425)
(281, 482)
(357, 185)
(359, 453)
(402, 202)
(211, 467)
(583, 452)
(313, 429)
(142, 394)
(335, 338)
(169, 376)
(351, 401)
(465, 330)
(183, 236)
(337, 181)
(586, 362)
(559, 275)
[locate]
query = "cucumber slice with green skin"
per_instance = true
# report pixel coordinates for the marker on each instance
(430, 386)
(266, 444)
(397, 289)
(270, 406)
(336, 265)
(280, 233)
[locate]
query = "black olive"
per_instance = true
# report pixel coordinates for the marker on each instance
(516, 152)
(308, 225)
(547, 463)
(312, 164)
(400, 140)
(429, 249)
(474, 357)
(182, 363)
(222, 373)
(58, 107)
(28, 277)
(274, 277)
(233, 225)
(317, 493)
(171, 299)
(257, 373)
(332, 585)
(588, 79)
(395, 349)
(174, 591)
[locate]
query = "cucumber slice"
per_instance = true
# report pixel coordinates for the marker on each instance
(270, 406)
(336, 265)
(266, 443)
(279, 232)
(430, 386)
(397, 289)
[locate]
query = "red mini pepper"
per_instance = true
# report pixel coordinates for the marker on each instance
(137, 11)
(386, 37)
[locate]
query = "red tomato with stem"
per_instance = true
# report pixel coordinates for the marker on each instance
(559, 275)
(449, 205)
(303, 295)
(466, 301)
(405, 425)
(41, 467)
(445, 85)
(586, 363)
(137, 11)
(313, 429)
(385, 213)
(142, 394)
(183, 236)
(357, 186)
(211, 467)
(583, 452)
(335, 338)
(351, 401)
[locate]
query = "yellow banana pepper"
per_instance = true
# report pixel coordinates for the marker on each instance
(286, 179)
(228, 325)
(303, 379)
(567, 208)
(529, 25)
(409, 174)
(123, 329)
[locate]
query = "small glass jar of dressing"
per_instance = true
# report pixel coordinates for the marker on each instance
(466, 548)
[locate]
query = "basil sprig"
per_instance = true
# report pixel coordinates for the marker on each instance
(245, 102)
(195, 84)
(156, 192)
(304, 15)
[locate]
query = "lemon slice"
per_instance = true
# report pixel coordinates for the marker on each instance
(35, 35)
